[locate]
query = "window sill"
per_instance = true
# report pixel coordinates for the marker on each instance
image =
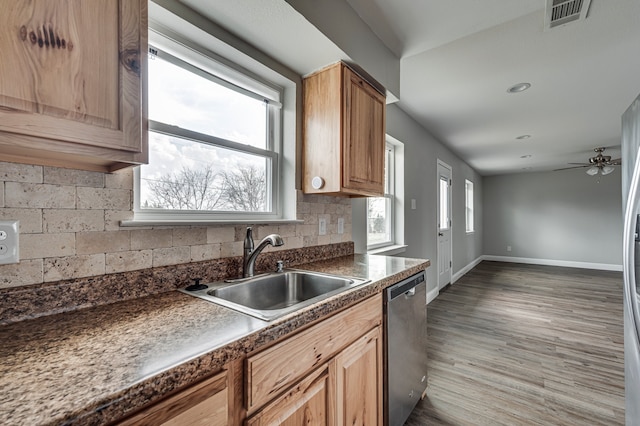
(389, 250)
(188, 222)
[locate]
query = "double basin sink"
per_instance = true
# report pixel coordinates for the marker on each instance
(270, 296)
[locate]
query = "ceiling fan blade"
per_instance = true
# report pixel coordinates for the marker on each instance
(574, 167)
(616, 162)
(581, 164)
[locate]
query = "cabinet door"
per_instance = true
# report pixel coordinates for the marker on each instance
(71, 82)
(306, 403)
(204, 404)
(271, 371)
(357, 374)
(322, 130)
(364, 136)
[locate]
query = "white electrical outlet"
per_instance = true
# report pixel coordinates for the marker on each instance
(340, 225)
(508, 248)
(322, 226)
(413, 204)
(9, 247)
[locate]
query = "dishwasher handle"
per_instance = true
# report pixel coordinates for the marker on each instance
(406, 287)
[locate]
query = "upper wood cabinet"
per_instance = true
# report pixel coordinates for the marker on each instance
(72, 90)
(343, 134)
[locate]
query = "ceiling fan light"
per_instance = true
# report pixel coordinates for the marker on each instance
(607, 169)
(592, 171)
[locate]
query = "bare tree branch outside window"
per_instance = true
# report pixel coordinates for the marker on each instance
(188, 189)
(243, 189)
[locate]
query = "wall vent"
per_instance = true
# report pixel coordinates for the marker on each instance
(561, 12)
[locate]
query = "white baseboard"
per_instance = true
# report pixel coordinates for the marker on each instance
(466, 269)
(550, 262)
(432, 294)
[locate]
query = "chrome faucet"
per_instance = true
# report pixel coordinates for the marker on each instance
(250, 254)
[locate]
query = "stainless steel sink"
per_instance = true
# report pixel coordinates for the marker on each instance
(273, 295)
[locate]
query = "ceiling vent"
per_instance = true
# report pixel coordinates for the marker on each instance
(560, 12)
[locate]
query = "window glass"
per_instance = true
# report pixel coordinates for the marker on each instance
(187, 175)
(211, 143)
(468, 186)
(444, 203)
(380, 209)
(378, 221)
(388, 161)
(180, 97)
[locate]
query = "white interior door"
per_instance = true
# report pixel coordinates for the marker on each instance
(444, 224)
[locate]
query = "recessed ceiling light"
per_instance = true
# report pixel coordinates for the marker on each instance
(525, 156)
(524, 137)
(517, 88)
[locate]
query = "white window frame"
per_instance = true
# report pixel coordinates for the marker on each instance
(469, 206)
(221, 71)
(389, 194)
(396, 192)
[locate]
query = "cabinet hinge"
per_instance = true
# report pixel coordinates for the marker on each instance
(450, 264)
(153, 53)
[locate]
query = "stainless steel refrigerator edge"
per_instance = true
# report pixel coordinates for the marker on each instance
(631, 259)
(405, 312)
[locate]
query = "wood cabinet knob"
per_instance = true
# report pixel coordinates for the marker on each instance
(317, 182)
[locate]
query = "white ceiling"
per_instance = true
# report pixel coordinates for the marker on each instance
(269, 26)
(459, 57)
(408, 27)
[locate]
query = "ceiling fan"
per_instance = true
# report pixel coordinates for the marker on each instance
(602, 164)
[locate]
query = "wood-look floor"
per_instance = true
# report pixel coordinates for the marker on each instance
(514, 344)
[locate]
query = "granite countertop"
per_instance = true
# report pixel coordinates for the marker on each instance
(95, 365)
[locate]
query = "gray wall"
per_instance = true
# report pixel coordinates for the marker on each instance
(342, 25)
(421, 154)
(565, 215)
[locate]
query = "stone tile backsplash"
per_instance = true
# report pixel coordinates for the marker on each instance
(69, 227)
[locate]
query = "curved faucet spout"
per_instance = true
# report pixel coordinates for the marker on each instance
(251, 254)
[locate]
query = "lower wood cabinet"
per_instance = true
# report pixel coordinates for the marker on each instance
(357, 373)
(346, 391)
(307, 403)
(205, 403)
(330, 373)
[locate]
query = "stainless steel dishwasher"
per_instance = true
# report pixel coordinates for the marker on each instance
(405, 341)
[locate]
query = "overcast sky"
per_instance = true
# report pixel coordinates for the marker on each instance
(181, 98)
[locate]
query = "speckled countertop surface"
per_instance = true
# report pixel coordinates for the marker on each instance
(95, 365)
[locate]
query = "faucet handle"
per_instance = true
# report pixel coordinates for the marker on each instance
(280, 267)
(248, 240)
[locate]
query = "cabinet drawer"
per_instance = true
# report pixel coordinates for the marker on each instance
(270, 371)
(203, 404)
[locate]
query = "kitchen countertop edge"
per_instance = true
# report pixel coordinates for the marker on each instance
(119, 405)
